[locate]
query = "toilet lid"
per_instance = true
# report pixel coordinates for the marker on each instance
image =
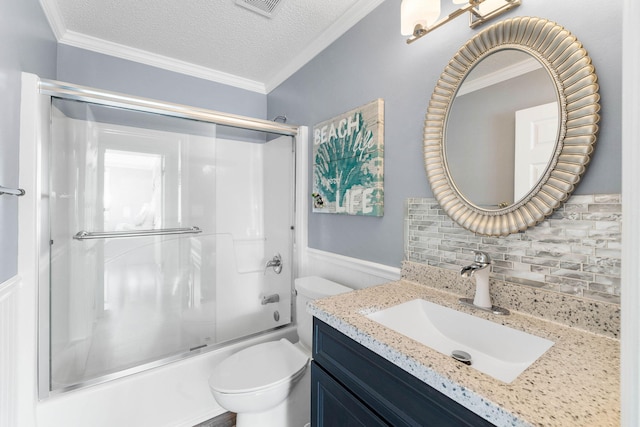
(260, 366)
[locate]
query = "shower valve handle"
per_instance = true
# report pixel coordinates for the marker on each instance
(275, 263)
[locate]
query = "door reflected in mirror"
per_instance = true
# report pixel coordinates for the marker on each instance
(502, 129)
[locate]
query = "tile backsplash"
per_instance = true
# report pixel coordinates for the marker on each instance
(575, 251)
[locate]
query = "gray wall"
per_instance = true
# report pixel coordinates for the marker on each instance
(86, 68)
(27, 45)
(372, 61)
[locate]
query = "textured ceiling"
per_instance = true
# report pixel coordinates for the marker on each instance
(214, 39)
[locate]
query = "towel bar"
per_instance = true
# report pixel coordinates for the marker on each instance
(11, 191)
(86, 235)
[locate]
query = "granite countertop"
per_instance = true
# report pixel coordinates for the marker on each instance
(575, 383)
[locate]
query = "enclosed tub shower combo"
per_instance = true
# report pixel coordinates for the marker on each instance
(164, 232)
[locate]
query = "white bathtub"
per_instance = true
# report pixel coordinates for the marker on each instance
(174, 395)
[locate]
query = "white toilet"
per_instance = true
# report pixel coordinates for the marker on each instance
(268, 384)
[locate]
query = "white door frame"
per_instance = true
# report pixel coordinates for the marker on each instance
(630, 306)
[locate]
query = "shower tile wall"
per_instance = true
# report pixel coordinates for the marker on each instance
(576, 251)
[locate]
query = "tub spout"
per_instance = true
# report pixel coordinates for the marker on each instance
(268, 299)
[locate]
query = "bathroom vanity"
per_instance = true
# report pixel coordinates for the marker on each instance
(350, 382)
(364, 371)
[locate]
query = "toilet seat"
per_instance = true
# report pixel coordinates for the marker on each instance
(258, 367)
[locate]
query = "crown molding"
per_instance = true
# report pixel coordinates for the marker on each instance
(64, 36)
(506, 73)
(95, 44)
(53, 15)
(358, 11)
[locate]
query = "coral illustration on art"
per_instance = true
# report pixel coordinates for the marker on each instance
(348, 171)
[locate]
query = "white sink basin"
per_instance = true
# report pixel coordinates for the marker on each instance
(497, 350)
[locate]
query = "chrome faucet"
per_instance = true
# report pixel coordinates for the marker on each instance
(480, 261)
(480, 270)
(275, 263)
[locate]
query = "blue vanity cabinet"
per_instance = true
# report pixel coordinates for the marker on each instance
(351, 386)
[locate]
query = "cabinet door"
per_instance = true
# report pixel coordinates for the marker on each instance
(334, 406)
(393, 394)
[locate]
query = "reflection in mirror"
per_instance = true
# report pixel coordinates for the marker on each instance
(502, 129)
(576, 97)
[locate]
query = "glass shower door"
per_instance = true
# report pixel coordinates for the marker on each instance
(159, 233)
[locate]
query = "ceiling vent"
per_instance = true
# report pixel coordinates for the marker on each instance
(263, 7)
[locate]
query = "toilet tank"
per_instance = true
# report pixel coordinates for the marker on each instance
(309, 289)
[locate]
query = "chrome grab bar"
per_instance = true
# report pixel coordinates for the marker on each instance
(11, 191)
(88, 235)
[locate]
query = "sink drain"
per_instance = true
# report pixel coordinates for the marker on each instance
(461, 356)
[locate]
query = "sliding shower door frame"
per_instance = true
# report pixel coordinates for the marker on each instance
(63, 90)
(46, 90)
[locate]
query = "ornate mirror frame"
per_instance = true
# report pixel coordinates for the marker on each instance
(570, 68)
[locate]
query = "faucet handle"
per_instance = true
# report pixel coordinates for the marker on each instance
(481, 257)
(275, 262)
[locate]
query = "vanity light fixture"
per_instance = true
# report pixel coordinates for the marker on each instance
(416, 15)
(419, 17)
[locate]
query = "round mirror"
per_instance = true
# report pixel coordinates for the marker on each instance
(511, 126)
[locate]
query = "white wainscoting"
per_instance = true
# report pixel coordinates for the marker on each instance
(8, 351)
(351, 272)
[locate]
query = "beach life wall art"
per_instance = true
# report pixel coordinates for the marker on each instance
(348, 162)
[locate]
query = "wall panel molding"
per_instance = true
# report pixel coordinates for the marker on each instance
(353, 272)
(9, 351)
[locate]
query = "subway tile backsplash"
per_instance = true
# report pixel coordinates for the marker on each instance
(575, 251)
